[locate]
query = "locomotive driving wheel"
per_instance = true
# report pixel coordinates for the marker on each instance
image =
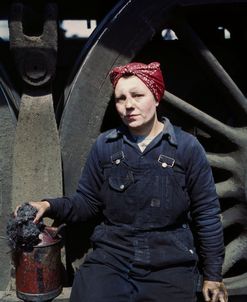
(201, 46)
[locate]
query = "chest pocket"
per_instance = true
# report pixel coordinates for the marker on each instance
(119, 194)
(121, 183)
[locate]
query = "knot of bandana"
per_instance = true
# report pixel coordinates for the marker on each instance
(150, 74)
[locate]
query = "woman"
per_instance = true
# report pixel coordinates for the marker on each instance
(153, 184)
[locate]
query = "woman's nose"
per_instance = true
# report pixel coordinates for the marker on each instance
(129, 103)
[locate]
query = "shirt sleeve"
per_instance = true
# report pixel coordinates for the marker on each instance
(205, 212)
(85, 203)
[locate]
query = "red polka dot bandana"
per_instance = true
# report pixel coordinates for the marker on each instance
(150, 74)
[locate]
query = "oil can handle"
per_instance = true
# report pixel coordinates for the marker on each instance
(54, 231)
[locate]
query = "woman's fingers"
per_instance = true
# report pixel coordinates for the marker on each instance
(42, 207)
(214, 291)
(16, 210)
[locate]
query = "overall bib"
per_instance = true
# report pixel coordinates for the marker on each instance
(144, 250)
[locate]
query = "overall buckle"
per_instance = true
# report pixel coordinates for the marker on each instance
(166, 161)
(116, 158)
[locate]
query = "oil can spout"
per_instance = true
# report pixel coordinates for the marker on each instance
(54, 232)
(57, 230)
(50, 235)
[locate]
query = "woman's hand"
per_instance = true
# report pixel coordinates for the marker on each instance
(214, 291)
(41, 206)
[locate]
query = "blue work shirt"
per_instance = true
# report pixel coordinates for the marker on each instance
(160, 206)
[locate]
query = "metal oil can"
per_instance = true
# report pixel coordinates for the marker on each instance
(39, 271)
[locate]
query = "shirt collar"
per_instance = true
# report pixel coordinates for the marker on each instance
(168, 132)
(116, 133)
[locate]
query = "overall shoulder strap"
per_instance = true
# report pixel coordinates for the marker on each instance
(110, 150)
(178, 131)
(179, 161)
(169, 149)
(169, 156)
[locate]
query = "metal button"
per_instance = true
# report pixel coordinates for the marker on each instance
(184, 226)
(121, 187)
(164, 165)
(117, 161)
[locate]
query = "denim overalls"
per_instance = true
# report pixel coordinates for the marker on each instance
(144, 249)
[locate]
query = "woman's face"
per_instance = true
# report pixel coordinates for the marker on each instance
(135, 104)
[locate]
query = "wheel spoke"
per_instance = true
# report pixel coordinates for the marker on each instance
(233, 215)
(235, 251)
(229, 189)
(209, 61)
(222, 161)
(201, 117)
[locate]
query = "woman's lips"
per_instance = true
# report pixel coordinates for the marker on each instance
(132, 116)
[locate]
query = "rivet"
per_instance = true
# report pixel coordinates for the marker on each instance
(117, 161)
(122, 187)
(164, 165)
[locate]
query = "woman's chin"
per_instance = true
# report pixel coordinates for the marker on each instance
(133, 124)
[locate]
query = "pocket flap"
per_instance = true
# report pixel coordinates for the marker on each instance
(120, 183)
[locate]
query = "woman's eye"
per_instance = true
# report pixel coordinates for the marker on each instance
(119, 100)
(137, 95)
